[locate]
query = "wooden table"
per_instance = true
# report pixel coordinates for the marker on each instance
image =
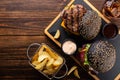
(22, 22)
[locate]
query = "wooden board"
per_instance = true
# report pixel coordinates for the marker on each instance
(56, 24)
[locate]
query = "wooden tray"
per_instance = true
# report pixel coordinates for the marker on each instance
(113, 74)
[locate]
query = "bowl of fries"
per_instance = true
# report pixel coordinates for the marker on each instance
(47, 61)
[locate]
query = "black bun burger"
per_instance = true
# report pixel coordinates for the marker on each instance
(101, 56)
(80, 21)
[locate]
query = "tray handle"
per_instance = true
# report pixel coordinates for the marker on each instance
(63, 74)
(33, 44)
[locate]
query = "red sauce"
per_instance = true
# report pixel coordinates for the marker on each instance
(110, 31)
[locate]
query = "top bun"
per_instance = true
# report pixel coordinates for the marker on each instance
(90, 23)
(101, 56)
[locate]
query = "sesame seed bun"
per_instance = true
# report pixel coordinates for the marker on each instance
(102, 56)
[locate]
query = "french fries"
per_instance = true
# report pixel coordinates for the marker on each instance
(35, 57)
(74, 68)
(57, 34)
(50, 63)
(58, 61)
(46, 60)
(71, 70)
(41, 65)
(43, 56)
(52, 54)
(76, 73)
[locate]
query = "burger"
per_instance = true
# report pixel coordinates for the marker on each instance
(80, 21)
(100, 55)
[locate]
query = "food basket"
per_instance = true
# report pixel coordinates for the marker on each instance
(52, 53)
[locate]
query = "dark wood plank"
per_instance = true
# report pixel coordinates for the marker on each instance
(27, 17)
(30, 5)
(116, 21)
(19, 41)
(98, 3)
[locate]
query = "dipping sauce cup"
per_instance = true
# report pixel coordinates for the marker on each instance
(110, 30)
(69, 47)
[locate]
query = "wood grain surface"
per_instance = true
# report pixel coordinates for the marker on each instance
(22, 22)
